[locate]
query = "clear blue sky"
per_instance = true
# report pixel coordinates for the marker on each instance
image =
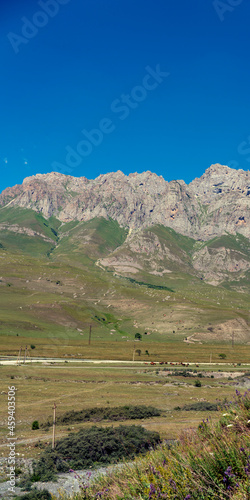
(73, 73)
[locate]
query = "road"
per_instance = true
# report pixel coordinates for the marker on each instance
(5, 360)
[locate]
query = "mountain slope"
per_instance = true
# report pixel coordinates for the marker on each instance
(65, 263)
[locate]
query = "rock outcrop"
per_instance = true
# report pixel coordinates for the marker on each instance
(215, 204)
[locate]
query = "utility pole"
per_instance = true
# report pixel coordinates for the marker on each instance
(233, 338)
(54, 427)
(25, 352)
(19, 356)
(90, 328)
(134, 353)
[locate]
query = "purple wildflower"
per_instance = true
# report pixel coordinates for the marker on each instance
(247, 469)
(173, 484)
(152, 490)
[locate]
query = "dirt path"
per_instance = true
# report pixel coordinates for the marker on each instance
(4, 360)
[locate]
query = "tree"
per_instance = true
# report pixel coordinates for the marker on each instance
(138, 336)
(222, 356)
(138, 351)
(197, 383)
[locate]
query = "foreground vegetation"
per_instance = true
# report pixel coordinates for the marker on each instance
(212, 463)
(93, 447)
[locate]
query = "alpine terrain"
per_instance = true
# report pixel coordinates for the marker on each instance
(125, 254)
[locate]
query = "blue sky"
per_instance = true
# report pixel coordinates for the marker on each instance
(73, 68)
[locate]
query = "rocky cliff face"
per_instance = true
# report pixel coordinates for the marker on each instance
(210, 206)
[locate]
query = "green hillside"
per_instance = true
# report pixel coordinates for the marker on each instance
(53, 285)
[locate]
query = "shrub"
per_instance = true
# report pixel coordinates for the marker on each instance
(117, 413)
(199, 406)
(33, 346)
(222, 356)
(95, 446)
(182, 373)
(197, 383)
(35, 425)
(138, 336)
(46, 467)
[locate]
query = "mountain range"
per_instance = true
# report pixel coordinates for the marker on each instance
(215, 204)
(139, 233)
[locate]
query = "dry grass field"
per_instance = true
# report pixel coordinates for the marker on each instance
(85, 385)
(123, 349)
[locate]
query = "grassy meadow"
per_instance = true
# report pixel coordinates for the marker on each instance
(74, 386)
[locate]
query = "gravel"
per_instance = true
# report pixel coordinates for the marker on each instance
(68, 483)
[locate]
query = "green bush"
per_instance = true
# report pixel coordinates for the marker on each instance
(46, 467)
(33, 346)
(149, 285)
(138, 336)
(197, 383)
(222, 356)
(35, 425)
(199, 406)
(117, 413)
(94, 446)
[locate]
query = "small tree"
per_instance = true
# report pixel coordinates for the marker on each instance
(35, 425)
(138, 336)
(138, 351)
(197, 383)
(222, 356)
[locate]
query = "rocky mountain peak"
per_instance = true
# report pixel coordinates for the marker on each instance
(214, 204)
